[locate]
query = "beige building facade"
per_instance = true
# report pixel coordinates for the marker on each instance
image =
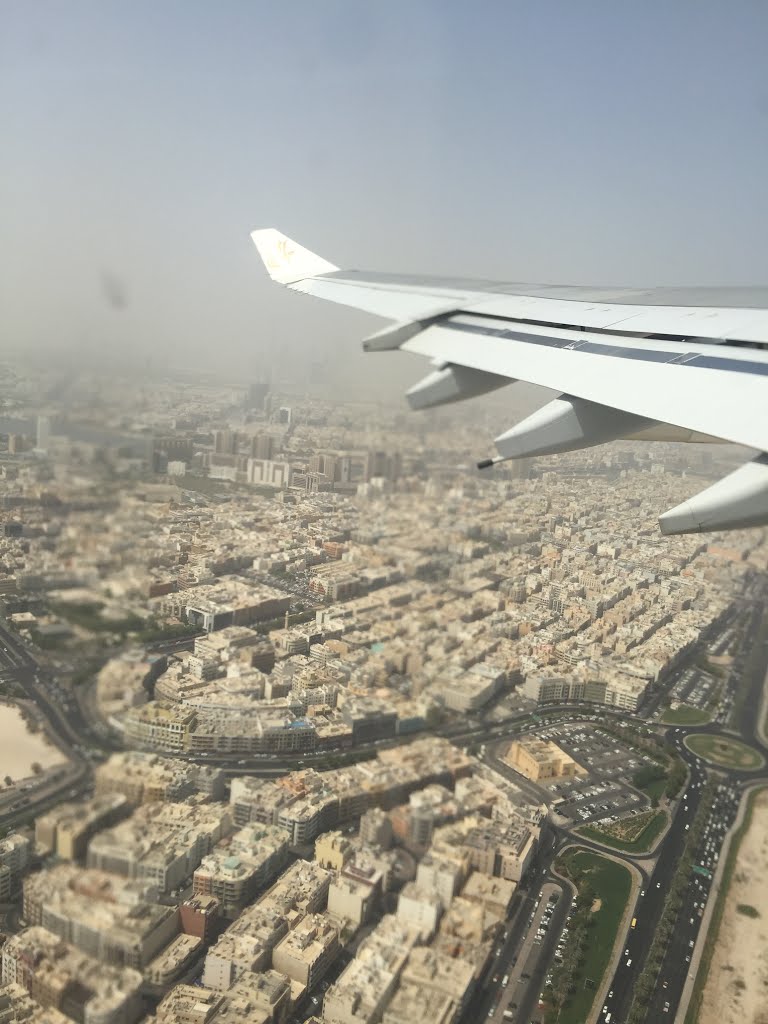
(541, 760)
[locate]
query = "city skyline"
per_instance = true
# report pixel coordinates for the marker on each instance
(549, 144)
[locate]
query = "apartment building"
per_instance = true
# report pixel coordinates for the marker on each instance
(307, 952)
(115, 920)
(57, 975)
(241, 865)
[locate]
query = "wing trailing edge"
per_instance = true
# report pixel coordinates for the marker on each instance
(628, 366)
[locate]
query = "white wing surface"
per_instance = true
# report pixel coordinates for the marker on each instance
(665, 364)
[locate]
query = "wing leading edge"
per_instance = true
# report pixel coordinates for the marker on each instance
(627, 363)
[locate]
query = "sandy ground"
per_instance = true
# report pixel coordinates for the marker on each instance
(21, 748)
(737, 987)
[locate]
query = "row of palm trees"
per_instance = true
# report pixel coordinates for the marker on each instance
(565, 975)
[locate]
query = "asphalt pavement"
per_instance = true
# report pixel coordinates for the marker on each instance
(652, 900)
(671, 979)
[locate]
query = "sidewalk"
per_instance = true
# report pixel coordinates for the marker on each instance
(762, 733)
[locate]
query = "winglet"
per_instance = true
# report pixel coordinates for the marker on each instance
(286, 261)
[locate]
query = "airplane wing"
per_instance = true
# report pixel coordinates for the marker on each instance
(664, 364)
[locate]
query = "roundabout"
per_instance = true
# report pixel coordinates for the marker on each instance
(725, 752)
(685, 716)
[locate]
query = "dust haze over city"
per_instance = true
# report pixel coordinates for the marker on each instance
(305, 716)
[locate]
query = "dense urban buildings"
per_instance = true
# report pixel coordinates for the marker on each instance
(267, 614)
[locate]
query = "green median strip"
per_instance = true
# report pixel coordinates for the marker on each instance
(603, 888)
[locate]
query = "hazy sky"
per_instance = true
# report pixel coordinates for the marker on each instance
(589, 142)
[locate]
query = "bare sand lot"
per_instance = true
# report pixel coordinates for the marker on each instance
(737, 986)
(21, 749)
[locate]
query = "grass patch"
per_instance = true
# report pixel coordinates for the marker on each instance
(684, 716)
(655, 789)
(596, 878)
(747, 910)
(726, 752)
(649, 828)
(713, 932)
(652, 781)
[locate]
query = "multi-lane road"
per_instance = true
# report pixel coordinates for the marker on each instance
(671, 979)
(651, 901)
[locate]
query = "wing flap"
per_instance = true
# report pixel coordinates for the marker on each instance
(716, 400)
(710, 322)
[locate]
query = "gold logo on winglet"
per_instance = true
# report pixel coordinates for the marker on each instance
(282, 255)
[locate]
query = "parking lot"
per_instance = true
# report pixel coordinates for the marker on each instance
(530, 968)
(605, 793)
(695, 689)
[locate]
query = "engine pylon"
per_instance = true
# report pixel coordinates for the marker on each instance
(567, 424)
